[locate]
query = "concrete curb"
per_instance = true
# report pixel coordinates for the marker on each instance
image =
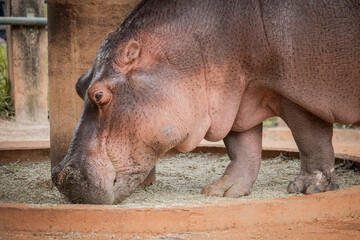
(203, 218)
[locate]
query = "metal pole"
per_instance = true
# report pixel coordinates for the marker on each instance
(29, 21)
(3, 1)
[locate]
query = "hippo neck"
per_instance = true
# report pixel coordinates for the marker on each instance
(231, 62)
(227, 46)
(230, 48)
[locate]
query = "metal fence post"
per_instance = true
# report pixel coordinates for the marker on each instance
(27, 68)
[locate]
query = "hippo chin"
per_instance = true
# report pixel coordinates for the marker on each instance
(178, 71)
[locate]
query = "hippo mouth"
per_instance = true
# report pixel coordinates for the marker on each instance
(124, 186)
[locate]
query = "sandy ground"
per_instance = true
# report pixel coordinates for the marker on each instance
(179, 181)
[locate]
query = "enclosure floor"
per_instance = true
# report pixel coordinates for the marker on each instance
(180, 180)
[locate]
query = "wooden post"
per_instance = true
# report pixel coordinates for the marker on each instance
(76, 30)
(27, 69)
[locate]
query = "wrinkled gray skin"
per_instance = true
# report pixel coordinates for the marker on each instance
(178, 71)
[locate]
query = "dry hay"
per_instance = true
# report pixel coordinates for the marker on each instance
(179, 181)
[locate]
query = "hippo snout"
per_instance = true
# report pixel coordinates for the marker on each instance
(79, 187)
(64, 177)
(55, 175)
(70, 182)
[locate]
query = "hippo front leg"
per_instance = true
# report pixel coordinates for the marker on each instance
(244, 150)
(313, 137)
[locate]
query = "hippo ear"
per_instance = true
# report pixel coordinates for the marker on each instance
(83, 84)
(127, 55)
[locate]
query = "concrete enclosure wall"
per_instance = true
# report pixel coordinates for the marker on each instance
(75, 31)
(26, 49)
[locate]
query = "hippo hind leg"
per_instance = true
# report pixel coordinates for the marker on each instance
(313, 137)
(244, 150)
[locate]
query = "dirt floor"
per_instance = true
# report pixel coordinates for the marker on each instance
(179, 181)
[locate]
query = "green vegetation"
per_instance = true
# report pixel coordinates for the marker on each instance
(270, 122)
(274, 122)
(340, 126)
(6, 105)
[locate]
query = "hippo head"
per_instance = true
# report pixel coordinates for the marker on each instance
(138, 104)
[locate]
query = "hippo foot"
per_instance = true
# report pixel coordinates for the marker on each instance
(313, 183)
(225, 187)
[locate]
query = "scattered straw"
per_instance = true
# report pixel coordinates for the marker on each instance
(179, 181)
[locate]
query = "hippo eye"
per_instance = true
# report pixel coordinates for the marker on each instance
(98, 96)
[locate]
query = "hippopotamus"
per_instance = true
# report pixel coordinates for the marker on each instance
(176, 72)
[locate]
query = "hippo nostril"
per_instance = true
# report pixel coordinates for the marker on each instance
(60, 178)
(70, 177)
(56, 170)
(114, 181)
(55, 174)
(62, 175)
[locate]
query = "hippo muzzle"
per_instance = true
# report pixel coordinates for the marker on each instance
(93, 185)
